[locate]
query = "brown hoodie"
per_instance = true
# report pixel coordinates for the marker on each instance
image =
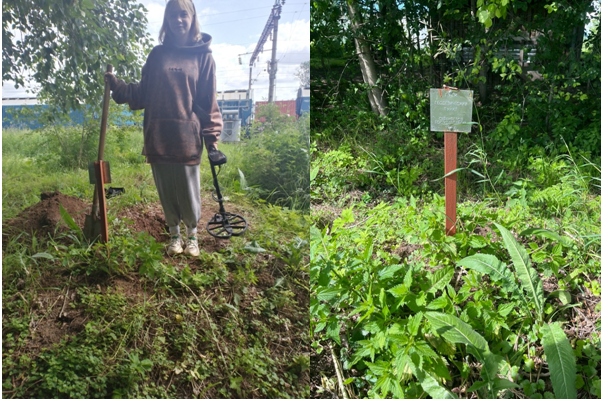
(176, 82)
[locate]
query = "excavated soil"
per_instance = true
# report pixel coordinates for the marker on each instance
(148, 218)
(44, 219)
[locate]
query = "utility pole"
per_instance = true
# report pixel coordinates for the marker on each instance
(273, 65)
(271, 28)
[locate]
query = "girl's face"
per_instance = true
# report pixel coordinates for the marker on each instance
(179, 21)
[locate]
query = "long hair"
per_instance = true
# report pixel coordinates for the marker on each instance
(194, 34)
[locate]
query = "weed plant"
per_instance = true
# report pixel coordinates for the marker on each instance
(411, 311)
(277, 166)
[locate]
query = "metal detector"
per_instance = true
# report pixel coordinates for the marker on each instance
(223, 224)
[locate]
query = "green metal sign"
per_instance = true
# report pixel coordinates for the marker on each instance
(451, 110)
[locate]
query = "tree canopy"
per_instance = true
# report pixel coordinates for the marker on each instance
(303, 73)
(63, 46)
(535, 66)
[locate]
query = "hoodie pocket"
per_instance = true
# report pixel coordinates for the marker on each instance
(178, 138)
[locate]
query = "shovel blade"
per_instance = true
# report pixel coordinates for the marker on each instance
(96, 224)
(92, 228)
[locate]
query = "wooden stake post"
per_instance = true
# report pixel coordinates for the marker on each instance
(450, 182)
(450, 112)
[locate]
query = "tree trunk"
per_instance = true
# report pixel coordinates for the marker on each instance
(384, 13)
(413, 16)
(367, 64)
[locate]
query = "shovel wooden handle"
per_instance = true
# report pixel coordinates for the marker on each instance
(104, 226)
(99, 205)
(105, 113)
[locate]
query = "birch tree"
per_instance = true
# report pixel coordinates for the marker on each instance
(366, 62)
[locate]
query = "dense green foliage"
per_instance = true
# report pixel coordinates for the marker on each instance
(501, 308)
(277, 165)
(525, 106)
(411, 310)
(61, 48)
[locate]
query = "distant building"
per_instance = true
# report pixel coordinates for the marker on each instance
(20, 101)
(296, 108)
(13, 106)
(237, 110)
(25, 112)
(239, 100)
(22, 113)
(303, 101)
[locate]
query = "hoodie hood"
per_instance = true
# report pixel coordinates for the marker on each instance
(202, 46)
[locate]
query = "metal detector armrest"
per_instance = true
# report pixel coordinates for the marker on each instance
(217, 157)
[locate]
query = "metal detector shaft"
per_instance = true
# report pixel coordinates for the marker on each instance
(216, 184)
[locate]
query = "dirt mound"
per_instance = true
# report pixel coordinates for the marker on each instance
(148, 218)
(43, 218)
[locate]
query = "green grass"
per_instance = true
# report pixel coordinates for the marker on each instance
(30, 165)
(122, 319)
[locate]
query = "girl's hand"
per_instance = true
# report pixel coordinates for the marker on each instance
(212, 147)
(216, 157)
(111, 80)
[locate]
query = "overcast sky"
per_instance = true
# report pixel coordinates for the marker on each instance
(236, 26)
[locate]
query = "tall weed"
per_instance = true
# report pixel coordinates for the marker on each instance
(416, 324)
(276, 161)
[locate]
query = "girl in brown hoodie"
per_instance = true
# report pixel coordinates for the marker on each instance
(178, 95)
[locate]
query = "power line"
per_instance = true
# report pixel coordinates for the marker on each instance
(222, 2)
(286, 52)
(233, 12)
(238, 20)
(235, 20)
(243, 67)
(248, 9)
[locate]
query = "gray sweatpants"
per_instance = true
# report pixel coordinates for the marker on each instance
(179, 191)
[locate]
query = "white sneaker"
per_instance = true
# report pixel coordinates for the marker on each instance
(176, 246)
(192, 247)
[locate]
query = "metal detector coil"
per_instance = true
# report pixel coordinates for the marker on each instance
(223, 224)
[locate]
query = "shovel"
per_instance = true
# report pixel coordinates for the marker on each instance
(96, 224)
